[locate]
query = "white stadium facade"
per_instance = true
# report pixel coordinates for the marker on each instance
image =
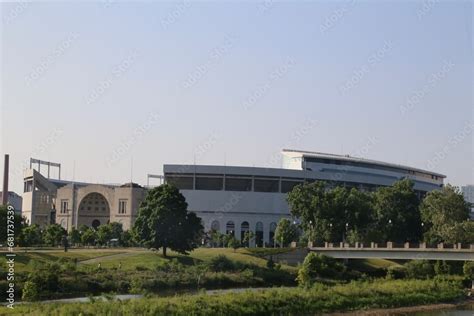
(236, 199)
(228, 199)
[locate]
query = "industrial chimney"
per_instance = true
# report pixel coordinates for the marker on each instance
(5, 180)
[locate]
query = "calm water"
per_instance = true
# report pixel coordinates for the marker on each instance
(462, 311)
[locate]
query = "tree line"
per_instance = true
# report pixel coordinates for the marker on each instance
(394, 213)
(321, 212)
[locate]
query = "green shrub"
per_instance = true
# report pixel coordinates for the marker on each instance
(270, 263)
(30, 291)
(317, 266)
(221, 263)
(441, 267)
(468, 269)
(419, 269)
(287, 301)
(396, 272)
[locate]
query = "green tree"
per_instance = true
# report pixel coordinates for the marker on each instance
(445, 215)
(89, 237)
(397, 212)
(104, 234)
(126, 240)
(30, 236)
(309, 202)
(317, 266)
(441, 267)
(419, 269)
(217, 238)
(233, 243)
(75, 236)
(248, 237)
(286, 232)
(17, 220)
(53, 234)
(164, 221)
(332, 213)
(116, 231)
(468, 269)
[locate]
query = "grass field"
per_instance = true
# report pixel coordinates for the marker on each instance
(131, 258)
(80, 272)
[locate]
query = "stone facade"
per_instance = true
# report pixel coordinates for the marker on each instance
(97, 204)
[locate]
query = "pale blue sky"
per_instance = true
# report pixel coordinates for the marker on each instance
(235, 82)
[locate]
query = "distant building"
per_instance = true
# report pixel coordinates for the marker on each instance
(72, 204)
(228, 199)
(97, 204)
(468, 192)
(233, 200)
(14, 200)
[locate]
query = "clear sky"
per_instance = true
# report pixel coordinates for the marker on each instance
(93, 84)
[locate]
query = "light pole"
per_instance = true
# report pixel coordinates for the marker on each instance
(330, 232)
(389, 229)
(344, 235)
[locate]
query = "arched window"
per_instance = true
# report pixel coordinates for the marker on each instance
(271, 236)
(244, 227)
(259, 234)
(230, 228)
(215, 226)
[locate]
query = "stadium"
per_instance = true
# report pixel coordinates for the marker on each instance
(228, 199)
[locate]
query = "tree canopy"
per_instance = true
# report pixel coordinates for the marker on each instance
(164, 221)
(445, 215)
(393, 213)
(286, 232)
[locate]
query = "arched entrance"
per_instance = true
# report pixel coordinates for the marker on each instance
(94, 210)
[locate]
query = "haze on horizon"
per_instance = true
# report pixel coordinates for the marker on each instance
(95, 85)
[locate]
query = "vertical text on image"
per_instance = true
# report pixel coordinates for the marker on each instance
(10, 256)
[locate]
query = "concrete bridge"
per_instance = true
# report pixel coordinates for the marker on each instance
(456, 252)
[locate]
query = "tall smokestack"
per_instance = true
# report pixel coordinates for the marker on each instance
(5, 180)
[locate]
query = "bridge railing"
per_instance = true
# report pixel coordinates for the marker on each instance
(391, 245)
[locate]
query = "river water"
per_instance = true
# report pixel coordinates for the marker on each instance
(467, 310)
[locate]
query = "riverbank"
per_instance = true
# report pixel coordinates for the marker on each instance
(468, 304)
(355, 296)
